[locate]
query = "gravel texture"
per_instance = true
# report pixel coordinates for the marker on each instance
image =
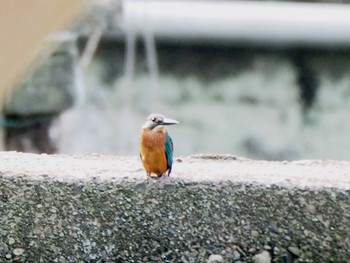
(50, 213)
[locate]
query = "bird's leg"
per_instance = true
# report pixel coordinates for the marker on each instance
(153, 176)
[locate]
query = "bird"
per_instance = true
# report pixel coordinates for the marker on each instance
(156, 146)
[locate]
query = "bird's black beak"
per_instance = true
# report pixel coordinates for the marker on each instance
(167, 121)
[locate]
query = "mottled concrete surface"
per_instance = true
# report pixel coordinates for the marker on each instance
(214, 208)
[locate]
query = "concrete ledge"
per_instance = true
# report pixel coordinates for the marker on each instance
(103, 209)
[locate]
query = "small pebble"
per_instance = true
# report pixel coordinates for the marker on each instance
(311, 209)
(294, 250)
(267, 247)
(255, 233)
(252, 250)
(11, 241)
(236, 255)
(215, 259)
(263, 257)
(18, 251)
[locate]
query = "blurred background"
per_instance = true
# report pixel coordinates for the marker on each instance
(260, 79)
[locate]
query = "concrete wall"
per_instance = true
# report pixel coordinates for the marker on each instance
(103, 209)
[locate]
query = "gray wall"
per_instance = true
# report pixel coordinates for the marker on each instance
(268, 104)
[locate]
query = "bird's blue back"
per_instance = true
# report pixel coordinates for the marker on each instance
(169, 148)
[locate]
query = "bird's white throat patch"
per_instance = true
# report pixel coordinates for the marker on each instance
(159, 128)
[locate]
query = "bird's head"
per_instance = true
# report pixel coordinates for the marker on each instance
(157, 122)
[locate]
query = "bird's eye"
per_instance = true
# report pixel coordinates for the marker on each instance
(154, 119)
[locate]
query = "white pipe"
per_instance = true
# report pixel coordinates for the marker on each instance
(278, 23)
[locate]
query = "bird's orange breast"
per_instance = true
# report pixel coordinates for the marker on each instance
(152, 152)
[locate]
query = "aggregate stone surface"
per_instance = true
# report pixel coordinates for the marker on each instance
(50, 212)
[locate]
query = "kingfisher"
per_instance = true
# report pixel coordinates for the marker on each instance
(156, 146)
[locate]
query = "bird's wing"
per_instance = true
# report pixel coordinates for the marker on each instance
(169, 148)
